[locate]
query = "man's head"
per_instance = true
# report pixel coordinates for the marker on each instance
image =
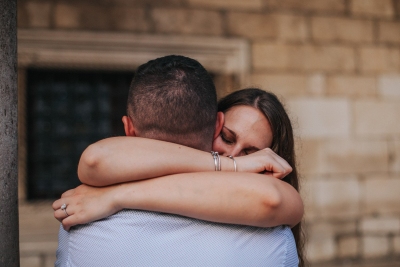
(173, 98)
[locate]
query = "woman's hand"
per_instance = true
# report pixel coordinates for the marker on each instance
(85, 204)
(262, 161)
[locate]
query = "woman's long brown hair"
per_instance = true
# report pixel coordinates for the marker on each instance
(282, 141)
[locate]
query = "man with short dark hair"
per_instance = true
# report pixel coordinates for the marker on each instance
(173, 99)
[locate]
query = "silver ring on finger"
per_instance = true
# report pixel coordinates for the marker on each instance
(64, 208)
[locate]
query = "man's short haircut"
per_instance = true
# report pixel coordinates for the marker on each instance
(173, 98)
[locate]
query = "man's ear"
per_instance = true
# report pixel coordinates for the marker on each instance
(128, 126)
(219, 124)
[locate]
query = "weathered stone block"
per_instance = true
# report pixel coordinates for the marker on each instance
(374, 118)
(137, 3)
(305, 57)
(327, 58)
(355, 156)
(389, 86)
(345, 227)
(30, 261)
(348, 247)
(380, 225)
(252, 25)
(22, 15)
(381, 195)
(395, 163)
(372, 8)
(38, 247)
(342, 30)
(375, 246)
(336, 198)
(333, 6)
(397, 7)
(317, 84)
(43, 228)
(396, 244)
(352, 86)
(83, 16)
(93, 17)
(284, 85)
(50, 260)
(39, 14)
(66, 16)
(321, 117)
(228, 4)
(272, 56)
(321, 242)
(309, 153)
(389, 32)
(379, 59)
(282, 26)
(184, 21)
(130, 19)
(292, 27)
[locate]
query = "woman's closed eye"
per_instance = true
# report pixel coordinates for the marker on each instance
(226, 140)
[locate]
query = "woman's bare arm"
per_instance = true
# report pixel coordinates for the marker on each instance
(257, 200)
(122, 159)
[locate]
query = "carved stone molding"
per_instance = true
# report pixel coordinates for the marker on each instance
(110, 50)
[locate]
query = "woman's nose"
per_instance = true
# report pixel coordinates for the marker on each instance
(235, 151)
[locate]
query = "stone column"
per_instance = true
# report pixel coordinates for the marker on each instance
(9, 234)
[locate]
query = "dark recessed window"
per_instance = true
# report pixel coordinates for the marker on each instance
(66, 111)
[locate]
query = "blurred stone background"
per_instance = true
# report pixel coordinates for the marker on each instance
(334, 63)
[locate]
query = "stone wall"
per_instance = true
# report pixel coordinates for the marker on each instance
(336, 66)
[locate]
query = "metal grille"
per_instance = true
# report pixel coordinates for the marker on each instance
(67, 111)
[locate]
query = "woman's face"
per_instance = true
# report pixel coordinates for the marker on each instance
(245, 131)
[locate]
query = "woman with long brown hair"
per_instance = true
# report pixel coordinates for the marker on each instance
(282, 142)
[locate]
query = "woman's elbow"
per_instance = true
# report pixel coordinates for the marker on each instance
(280, 209)
(88, 162)
(270, 206)
(273, 200)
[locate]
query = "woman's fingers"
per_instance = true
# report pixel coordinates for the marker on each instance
(60, 214)
(70, 221)
(276, 165)
(67, 220)
(67, 223)
(57, 204)
(285, 167)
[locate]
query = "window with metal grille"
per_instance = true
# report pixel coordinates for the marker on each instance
(66, 111)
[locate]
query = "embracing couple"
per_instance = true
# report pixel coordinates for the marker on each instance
(163, 199)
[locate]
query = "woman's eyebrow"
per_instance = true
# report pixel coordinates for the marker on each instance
(232, 132)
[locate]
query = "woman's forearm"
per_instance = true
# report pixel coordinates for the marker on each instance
(238, 198)
(248, 199)
(121, 159)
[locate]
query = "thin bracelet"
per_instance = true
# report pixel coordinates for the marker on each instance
(217, 160)
(234, 161)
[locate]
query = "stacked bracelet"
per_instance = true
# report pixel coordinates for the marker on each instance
(234, 161)
(217, 160)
